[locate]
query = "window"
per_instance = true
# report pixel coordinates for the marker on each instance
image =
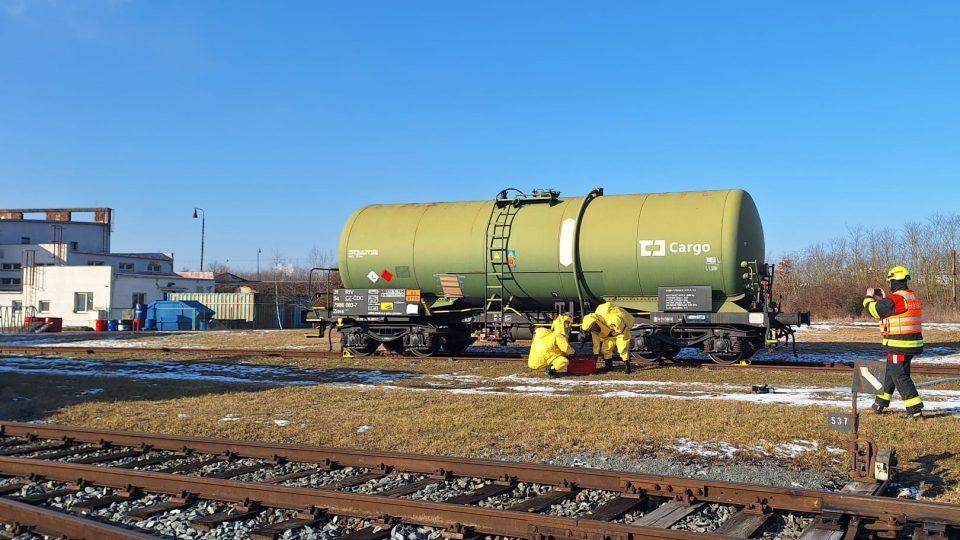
(24, 239)
(43, 306)
(138, 298)
(154, 267)
(10, 266)
(94, 263)
(126, 267)
(74, 246)
(9, 281)
(82, 301)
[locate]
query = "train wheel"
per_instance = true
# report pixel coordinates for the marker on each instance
(425, 345)
(646, 357)
(366, 350)
(456, 344)
(726, 358)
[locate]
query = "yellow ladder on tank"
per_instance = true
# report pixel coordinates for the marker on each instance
(497, 269)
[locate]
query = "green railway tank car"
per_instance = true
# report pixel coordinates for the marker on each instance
(689, 265)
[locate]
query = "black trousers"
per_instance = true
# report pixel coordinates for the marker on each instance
(898, 378)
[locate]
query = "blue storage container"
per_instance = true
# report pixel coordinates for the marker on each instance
(178, 315)
(113, 326)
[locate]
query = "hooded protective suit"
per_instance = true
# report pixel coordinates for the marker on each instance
(550, 348)
(609, 327)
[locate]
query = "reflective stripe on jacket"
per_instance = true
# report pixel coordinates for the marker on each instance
(908, 322)
(901, 320)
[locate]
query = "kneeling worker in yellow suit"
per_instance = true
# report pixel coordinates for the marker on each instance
(609, 327)
(550, 347)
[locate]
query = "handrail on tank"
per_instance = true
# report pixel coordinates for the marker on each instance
(329, 292)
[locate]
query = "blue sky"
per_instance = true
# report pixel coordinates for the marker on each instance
(280, 119)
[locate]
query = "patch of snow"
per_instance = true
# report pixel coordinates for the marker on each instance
(706, 449)
(281, 423)
(363, 429)
(181, 416)
(196, 371)
(230, 417)
(795, 448)
(726, 450)
(946, 401)
(910, 492)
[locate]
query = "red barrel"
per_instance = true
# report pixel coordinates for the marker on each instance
(100, 325)
(582, 366)
(56, 324)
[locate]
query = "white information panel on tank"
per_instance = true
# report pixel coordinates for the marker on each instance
(568, 230)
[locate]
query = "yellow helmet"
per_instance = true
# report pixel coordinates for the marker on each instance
(898, 273)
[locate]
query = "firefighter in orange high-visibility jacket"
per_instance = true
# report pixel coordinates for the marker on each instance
(551, 347)
(609, 328)
(901, 326)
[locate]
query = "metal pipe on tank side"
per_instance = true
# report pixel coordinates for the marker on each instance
(577, 268)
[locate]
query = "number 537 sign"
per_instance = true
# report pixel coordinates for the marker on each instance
(840, 421)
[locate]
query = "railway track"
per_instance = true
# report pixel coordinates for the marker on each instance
(89, 483)
(835, 367)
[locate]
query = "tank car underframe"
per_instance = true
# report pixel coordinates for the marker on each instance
(723, 344)
(453, 333)
(415, 336)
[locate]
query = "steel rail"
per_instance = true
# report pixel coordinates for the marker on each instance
(23, 516)
(432, 514)
(631, 484)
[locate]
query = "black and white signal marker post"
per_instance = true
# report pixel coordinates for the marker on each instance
(867, 462)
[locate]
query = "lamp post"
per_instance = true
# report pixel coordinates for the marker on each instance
(203, 227)
(258, 264)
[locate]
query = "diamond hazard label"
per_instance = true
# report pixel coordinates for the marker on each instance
(373, 276)
(386, 275)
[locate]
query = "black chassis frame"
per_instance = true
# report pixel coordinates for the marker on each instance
(653, 333)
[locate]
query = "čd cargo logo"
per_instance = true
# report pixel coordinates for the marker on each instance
(659, 248)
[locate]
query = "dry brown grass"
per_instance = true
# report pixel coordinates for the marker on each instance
(531, 426)
(535, 427)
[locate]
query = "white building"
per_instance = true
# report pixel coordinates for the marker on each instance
(58, 267)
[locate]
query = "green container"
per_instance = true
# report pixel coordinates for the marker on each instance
(629, 245)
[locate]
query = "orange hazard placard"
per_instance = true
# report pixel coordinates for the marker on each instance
(413, 295)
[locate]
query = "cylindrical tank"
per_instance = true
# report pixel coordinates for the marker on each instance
(628, 245)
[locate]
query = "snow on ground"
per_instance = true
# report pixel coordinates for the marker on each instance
(724, 449)
(119, 340)
(197, 371)
(820, 327)
(933, 355)
(941, 400)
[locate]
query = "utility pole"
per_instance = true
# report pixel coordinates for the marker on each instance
(953, 254)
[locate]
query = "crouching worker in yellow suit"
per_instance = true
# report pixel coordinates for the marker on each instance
(550, 347)
(609, 327)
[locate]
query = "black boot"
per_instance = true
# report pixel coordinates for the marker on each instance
(607, 365)
(552, 373)
(627, 366)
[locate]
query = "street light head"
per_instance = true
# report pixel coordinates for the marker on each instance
(194, 213)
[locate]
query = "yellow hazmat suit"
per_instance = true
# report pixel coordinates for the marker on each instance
(550, 348)
(609, 326)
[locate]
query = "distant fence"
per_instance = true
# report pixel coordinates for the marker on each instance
(11, 318)
(250, 310)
